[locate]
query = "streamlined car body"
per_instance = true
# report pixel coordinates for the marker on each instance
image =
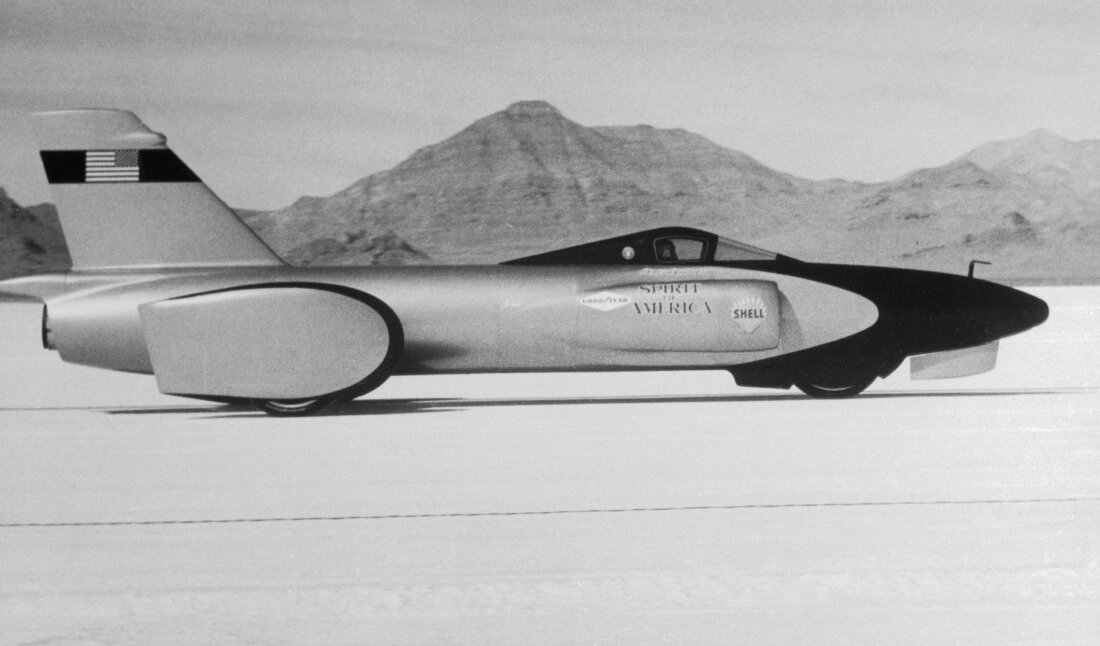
(167, 281)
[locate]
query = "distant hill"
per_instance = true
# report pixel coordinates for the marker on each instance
(527, 179)
(1045, 158)
(1031, 205)
(337, 247)
(30, 239)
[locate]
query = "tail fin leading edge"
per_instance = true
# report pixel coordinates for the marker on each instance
(126, 200)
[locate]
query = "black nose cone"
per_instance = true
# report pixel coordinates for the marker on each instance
(1009, 311)
(1033, 311)
(971, 312)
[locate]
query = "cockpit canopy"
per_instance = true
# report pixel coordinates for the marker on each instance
(687, 249)
(664, 246)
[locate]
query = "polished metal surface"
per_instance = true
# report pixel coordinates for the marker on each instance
(504, 318)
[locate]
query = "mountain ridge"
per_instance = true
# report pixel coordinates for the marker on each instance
(529, 168)
(527, 179)
(30, 239)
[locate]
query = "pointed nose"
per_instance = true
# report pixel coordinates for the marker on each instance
(1032, 311)
(964, 312)
(996, 311)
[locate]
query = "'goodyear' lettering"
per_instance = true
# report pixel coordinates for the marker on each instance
(607, 299)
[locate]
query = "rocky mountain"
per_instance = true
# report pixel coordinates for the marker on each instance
(358, 248)
(1045, 158)
(1030, 205)
(30, 239)
(355, 247)
(528, 179)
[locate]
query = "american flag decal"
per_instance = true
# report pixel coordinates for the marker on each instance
(111, 166)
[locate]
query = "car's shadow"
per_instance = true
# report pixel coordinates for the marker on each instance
(438, 405)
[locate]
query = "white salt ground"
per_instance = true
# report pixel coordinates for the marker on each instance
(559, 509)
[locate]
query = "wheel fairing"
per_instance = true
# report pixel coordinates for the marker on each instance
(274, 341)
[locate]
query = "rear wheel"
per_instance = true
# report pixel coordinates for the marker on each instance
(835, 388)
(391, 339)
(291, 408)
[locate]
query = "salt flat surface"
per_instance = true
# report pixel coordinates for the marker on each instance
(559, 509)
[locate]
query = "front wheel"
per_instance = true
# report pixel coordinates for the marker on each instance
(291, 408)
(835, 390)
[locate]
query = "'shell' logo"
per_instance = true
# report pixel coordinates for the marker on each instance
(749, 313)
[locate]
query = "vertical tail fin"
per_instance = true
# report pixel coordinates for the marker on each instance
(126, 200)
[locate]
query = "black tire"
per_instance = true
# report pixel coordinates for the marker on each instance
(291, 408)
(835, 389)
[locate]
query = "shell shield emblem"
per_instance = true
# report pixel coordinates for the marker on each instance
(749, 313)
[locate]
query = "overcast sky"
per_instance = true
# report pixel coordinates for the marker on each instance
(270, 100)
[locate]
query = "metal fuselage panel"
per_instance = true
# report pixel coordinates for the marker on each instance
(470, 319)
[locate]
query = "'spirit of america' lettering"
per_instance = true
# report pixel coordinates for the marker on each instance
(674, 307)
(670, 288)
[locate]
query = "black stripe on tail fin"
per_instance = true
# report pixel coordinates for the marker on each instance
(80, 166)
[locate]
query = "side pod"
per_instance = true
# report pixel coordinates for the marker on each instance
(282, 341)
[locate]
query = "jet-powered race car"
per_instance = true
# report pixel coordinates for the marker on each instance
(166, 280)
